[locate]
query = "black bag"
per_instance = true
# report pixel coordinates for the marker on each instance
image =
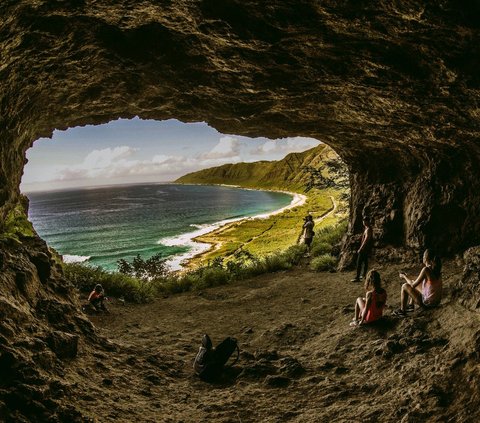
(209, 362)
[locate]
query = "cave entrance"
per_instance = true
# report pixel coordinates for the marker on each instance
(103, 193)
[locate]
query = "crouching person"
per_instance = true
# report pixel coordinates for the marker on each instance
(96, 299)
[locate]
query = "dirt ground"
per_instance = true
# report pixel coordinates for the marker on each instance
(300, 361)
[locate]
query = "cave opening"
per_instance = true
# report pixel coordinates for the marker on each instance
(91, 188)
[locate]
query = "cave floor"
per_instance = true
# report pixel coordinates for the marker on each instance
(300, 360)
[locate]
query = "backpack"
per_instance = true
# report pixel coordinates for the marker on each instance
(209, 362)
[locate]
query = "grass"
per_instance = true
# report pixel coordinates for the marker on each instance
(262, 236)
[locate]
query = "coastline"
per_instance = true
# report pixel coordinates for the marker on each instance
(200, 247)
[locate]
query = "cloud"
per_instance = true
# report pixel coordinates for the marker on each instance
(118, 163)
(226, 148)
(284, 146)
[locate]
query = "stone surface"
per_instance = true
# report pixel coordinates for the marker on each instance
(393, 87)
(467, 290)
(64, 345)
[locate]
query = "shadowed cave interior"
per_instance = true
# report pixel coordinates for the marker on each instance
(392, 86)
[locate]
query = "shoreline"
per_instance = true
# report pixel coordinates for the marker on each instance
(182, 262)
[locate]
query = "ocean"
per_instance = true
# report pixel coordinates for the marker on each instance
(101, 225)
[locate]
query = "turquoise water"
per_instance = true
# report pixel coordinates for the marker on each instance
(102, 225)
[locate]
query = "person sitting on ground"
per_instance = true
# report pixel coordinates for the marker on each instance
(430, 292)
(371, 307)
(364, 250)
(96, 298)
(308, 232)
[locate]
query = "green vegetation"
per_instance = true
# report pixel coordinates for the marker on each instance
(277, 232)
(17, 225)
(148, 269)
(323, 263)
(219, 271)
(116, 284)
(293, 172)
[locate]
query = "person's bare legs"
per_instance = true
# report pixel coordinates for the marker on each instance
(409, 292)
(410, 299)
(359, 307)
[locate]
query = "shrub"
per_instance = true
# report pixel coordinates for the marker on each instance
(323, 263)
(84, 278)
(294, 253)
(212, 276)
(332, 234)
(275, 262)
(177, 284)
(146, 269)
(327, 238)
(321, 248)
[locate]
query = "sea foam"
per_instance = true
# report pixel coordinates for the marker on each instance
(68, 258)
(195, 247)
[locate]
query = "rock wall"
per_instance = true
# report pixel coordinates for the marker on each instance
(41, 331)
(392, 86)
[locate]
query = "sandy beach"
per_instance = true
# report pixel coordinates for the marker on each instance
(198, 245)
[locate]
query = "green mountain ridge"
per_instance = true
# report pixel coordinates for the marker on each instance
(289, 173)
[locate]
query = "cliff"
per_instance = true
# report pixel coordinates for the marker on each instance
(290, 173)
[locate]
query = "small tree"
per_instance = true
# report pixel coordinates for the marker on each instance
(152, 268)
(333, 173)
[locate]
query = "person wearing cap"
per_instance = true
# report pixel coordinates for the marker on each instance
(96, 298)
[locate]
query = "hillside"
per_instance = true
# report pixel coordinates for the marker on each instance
(288, 173)
(319, 167)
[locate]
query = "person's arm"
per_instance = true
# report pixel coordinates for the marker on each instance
(420, 278)
(368, 303)
(90, 296)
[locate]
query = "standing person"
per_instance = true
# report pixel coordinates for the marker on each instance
(371, 307)
(308, 232)
(430, 293)
(364, 250)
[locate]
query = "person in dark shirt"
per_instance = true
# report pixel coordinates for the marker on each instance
(364, 250)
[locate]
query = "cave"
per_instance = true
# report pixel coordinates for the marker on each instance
(392, 89)
(392, 86)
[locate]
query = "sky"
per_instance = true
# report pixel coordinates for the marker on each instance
(129, 151)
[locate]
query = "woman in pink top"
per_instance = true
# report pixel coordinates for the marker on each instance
(429, 294)
(370, 308)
